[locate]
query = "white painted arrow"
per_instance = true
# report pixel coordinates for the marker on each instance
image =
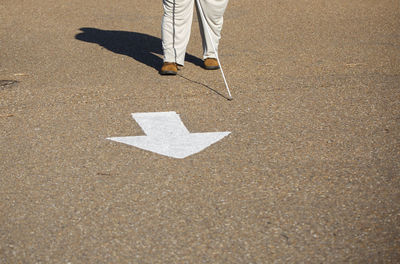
(167, 135)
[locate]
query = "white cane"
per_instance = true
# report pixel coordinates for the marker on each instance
(212, 43)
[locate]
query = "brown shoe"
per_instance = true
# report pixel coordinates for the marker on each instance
(211, 64)
(169, 68)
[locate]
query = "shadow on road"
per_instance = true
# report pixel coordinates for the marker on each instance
(139, 46)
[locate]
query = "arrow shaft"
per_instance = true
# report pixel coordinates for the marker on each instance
(161, 124)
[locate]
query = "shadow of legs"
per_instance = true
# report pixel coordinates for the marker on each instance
(139, 46)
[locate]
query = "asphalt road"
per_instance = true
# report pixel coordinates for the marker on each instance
(310, 171)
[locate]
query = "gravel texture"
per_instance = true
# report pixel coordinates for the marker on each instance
(309, 174)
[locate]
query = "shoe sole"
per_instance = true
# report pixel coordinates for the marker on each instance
(168, 72)
(211, 67)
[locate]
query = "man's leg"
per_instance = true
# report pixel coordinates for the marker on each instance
(213, 13)
(175, 29)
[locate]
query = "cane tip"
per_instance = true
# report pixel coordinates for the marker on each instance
(230, 98)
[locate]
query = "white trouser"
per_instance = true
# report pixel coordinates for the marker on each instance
(177, 23)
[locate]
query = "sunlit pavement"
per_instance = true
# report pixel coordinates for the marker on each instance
(309, 172)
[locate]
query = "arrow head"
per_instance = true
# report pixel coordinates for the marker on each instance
(167, 135)
(175, 147)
